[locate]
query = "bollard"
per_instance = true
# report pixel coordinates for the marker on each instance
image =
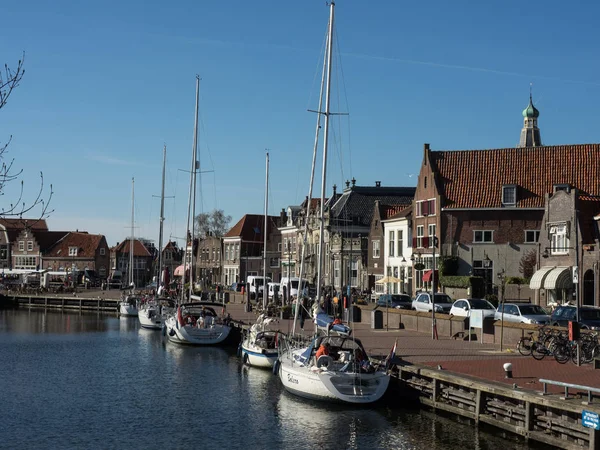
(507, 370)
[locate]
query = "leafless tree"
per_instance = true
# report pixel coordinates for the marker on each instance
(527, 263)
(214, 223)
(9, 80)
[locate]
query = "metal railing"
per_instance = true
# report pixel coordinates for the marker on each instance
(589, 389)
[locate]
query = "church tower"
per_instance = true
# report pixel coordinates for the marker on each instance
(530, 134)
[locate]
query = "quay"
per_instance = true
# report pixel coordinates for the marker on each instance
(452, 376)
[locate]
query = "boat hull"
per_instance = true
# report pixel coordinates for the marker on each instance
(150, 319)
(127, 309)
(191, 335)
(255, 356)
(328, 386)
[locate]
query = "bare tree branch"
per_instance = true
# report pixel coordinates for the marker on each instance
(9, 79)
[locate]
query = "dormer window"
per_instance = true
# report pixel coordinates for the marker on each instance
(102, 251)
(72, 251)
(509, 195)
(562, 187)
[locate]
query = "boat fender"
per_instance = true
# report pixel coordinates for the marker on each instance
(324, 361)
(245, 358)
(276, 367)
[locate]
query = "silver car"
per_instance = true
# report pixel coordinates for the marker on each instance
(523, 313)
(423, 303)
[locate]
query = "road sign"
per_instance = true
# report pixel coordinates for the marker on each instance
(590, 419)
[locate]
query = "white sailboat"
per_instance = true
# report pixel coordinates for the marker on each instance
(153, 311)
(196, 323)
(259, 345)
(129, 306)
(343, 373)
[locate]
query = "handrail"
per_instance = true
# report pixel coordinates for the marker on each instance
(589, 389)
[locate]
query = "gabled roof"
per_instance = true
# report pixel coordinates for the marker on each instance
(251, 226)
(357, 203)
(474, 178)
(47, 239)
(138, 248)
(86, 244)
(402, 213)
(14, 226)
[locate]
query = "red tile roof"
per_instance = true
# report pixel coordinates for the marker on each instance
(474, 178)
(20, 224)
(250, 227)
(86, 244)
(403, 211)
(138, 248)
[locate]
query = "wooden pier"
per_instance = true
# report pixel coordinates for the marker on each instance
(549, 419)
(72, 302)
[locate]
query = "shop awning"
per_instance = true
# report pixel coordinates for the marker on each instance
(537, 280)
(427, 275)
(559, 278)
(178, 272)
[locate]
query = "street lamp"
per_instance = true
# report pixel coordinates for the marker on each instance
(502, 280)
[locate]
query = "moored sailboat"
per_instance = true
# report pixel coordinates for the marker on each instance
(330, 368)
(129, 305)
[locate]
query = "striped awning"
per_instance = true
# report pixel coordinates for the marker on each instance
(537, 280)
(559, 278)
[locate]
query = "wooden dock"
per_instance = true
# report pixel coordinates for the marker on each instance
(69, 302)
(552, 420)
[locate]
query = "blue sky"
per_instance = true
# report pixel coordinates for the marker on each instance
(107, 84)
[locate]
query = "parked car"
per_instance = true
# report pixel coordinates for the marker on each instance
(399, 301)
(589, 317)
(422, 302)
(523, 313)
(463, 307)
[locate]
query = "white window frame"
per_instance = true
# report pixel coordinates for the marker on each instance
(21, 246)
(102, 251)
(508, 191)
(559, 240)
(377, 249)
(72, 251)
(483, 237)
(391, 243)
(420, 235)
(400, 243)
(29, 246)
(431, 228)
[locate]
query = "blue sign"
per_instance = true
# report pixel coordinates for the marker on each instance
(590, 419)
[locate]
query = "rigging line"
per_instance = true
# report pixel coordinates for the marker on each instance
(319, 66)
(347, 104)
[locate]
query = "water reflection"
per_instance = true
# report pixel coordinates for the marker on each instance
(35, 320)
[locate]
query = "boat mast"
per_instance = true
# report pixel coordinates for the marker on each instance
(162, 219)
(131, 241)
(191, 194)
(325, 143)
(265, 292)
(310, 188)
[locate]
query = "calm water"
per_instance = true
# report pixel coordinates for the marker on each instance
(70, 380)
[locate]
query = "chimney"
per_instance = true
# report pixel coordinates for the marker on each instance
(282, 217)
(378, 184)
(353, 182)
(334, 190)
(347, 184)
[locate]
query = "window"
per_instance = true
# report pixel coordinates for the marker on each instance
(102, 251)
(562, 187)
(532, 236)
(391, 243)
(3, 252)
(293, 244)
(274, 262)
(72, 251)
(376, 248)
(400, 242)
(509, 195)
(379, 287)
(336, 272)
(237, 251)
(420, 234)
(285, 244)
(354, 274)
(425, 182)
(21, 246)
(29, 246)
(279, 247)
(25, 262)
(227, 252)
(486, 236)
(426, 208)
(559, 241)
(431, 230)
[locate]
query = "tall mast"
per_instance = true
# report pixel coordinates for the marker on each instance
(162, 219)
(265, 292)
(131, 241)
(310, 188)
(191, 194)
(325, 142)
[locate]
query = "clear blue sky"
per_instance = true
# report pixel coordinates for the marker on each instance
(108, 83)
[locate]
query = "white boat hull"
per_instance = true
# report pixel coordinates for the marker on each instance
(192, 335)
(149, 318)
(127, 309)
(256, 356)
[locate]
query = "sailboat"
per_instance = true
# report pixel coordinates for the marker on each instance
(343, 373)
(153, 311)
(196, 322)
(259, 345)
(129, 306)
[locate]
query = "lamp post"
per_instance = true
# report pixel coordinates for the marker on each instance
(502, 280)
(433, 289)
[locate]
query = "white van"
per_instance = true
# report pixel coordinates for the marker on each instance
(293, 285)
(272, 289)
(256, 284)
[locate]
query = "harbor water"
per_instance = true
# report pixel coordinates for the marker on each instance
(71, 380)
